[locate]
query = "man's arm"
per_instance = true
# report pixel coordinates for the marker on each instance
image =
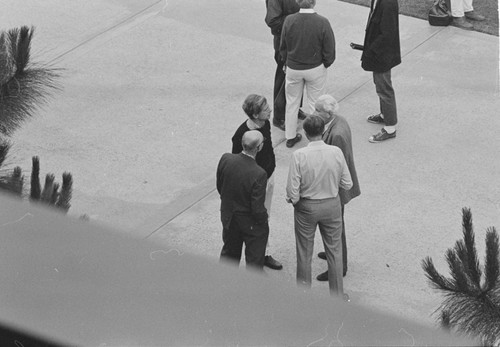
(274, 16)
(328, 45)
(293, 181)
(345, 177)
(219, 175)
(258, 197)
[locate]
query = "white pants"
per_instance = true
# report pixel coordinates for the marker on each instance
(314, 81)
(269, 194)
(269, 198)
(458, 7)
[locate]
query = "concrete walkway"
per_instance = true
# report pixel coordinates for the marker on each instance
(152, 95)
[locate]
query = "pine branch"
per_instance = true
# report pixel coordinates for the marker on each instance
(48, 189)
(35, 179)
(436, 280)
(459, 280)
(491, 262)
(4, 150)
(472, 265)
(55, 194)
(66, 192)
(24, 86)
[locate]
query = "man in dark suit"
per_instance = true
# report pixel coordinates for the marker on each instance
(338, 133)
(382, 52)
(241, 183)
(277, 11)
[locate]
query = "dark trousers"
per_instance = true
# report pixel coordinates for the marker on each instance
(385, 92)
(344, 242)
(279, 103)
(243, 229)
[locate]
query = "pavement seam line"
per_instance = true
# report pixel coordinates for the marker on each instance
(105, 31)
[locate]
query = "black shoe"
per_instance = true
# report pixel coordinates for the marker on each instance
(272, 263)
(322, 255)
(324, 276)
(376, 119)
(302, 115)
(279, 124)
(382, 136)
(290, 143)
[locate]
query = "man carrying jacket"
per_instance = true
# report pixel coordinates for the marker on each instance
(382, 52)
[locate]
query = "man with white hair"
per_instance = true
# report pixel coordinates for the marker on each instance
(338, 133)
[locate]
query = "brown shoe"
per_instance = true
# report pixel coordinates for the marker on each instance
(472, 15)
(461, 23)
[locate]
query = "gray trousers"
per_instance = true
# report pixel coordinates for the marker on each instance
(385, 92)
(325, 213)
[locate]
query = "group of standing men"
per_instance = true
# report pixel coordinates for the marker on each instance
(322, 177)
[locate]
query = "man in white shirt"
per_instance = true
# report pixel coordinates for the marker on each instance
(315, 175)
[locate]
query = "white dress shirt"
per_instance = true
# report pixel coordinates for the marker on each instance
(316, 172)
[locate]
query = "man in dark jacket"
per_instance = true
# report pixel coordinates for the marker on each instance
(277, 10)
(382, 52)
(241, 183)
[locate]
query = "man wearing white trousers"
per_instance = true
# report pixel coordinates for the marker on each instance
(462, 9)
(308, 49)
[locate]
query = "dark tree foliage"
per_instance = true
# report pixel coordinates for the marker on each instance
(24, 86)
(35, 179)
(48, 189)
(471, 304)
(66, 192)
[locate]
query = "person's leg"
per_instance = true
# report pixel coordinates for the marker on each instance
(387, 97)
(279, 98)
(233, 243)
(293, 90)
(344, 243)
(457, 8)
(467, 6)
(330, 226)
(305, 227)
(315, 82)
(269, 260)
(255, 238)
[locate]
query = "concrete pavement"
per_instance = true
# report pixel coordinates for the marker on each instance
(153, 92)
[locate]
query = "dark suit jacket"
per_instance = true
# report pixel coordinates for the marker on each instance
(277, 10)
(381, 47)
(339, 134)
(241, 184)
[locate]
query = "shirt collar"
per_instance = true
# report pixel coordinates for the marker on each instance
(316, 143)
(307, 10)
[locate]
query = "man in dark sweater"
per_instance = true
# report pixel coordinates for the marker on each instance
(381, 52)
(277, 11)
(308, 49)
(258, 112)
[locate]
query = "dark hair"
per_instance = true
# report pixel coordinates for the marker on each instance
(253, 104)
(306, 3)
(314, 126)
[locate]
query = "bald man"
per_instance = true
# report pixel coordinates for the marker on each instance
(241, 183)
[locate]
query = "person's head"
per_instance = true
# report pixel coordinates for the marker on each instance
(256, 108)
(326, 107)
(314, 127)
(252, 142)
(306, 3)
